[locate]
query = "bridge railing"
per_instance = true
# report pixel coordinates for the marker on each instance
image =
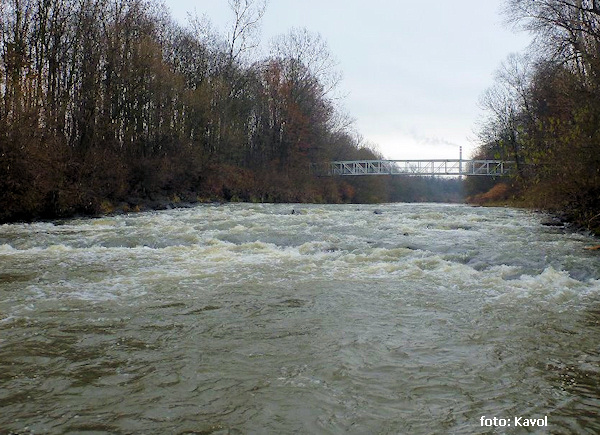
(449, 167)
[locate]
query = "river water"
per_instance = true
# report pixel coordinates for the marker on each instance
(247, 318)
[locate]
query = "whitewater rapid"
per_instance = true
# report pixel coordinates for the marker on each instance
(289, 318)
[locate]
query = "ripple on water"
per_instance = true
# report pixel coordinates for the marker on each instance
(334, 319)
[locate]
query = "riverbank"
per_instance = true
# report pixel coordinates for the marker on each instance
(498, 196)
(215, 184)
(212, 184)
(508, 195)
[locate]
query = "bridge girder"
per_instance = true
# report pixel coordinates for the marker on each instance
(449, 167)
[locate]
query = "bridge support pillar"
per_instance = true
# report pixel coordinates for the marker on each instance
(460, 162)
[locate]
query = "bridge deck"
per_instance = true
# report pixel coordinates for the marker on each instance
(491, 168)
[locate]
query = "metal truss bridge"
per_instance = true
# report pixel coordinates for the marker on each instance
(452, 167)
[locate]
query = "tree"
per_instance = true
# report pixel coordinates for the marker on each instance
(303, 70)
(509, 113)
(107, 100)
(306, 59)
(243, 35)
(566, 30)
(547, 112)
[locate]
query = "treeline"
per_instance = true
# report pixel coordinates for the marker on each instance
(110, 103)
(400, 188)
(544, 109)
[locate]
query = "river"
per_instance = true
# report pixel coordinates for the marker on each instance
(248, 318)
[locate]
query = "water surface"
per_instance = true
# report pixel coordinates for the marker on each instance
(334, 319)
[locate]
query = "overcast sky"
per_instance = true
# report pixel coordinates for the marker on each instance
(413, 71)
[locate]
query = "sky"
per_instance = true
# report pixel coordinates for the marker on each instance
(412, 71)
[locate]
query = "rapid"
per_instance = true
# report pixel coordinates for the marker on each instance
(293, 318)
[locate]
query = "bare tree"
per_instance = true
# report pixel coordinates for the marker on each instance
(306, 55)
(508, 104)
(245, 30)
(564, 30)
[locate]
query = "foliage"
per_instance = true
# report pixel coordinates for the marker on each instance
(498, 193)
(111, 102)
(544, 111)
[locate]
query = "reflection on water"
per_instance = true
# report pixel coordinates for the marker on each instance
(334, 319)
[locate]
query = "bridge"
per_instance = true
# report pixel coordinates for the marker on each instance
(452, 167)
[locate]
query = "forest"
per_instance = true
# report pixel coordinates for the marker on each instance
(110, 105)
(543, 111)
